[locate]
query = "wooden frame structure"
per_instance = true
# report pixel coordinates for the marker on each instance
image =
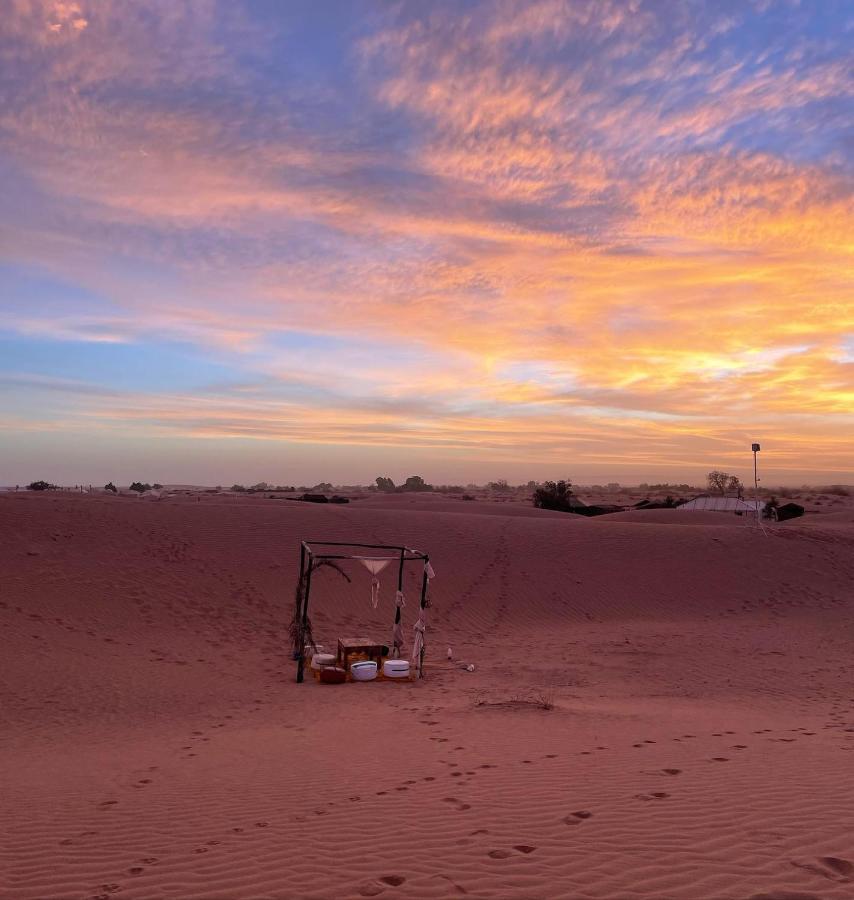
(307, 557)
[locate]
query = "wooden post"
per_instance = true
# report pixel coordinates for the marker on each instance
(424, 581)
(301, 663)
(394, 650)
(299, 600)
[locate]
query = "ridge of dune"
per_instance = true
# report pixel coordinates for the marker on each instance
(155, 744)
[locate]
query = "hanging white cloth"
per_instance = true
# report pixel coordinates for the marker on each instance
(428, 571)
(375, 565)
(418, 643)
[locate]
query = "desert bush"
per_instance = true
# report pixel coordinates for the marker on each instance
(109, 486)
(238, 488)
(140, 487)
(41, 486)
(416, 483)
(554, 495)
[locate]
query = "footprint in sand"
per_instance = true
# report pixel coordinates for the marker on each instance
(499, 854)
(672, 771)
(784, 895)
(393, 880)
(831, 867)
(720, 759)
(524, 848)
(577, 817)
(842, 867)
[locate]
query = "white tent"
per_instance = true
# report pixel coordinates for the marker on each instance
(723, 504)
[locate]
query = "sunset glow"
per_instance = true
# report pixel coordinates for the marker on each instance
(311, 241)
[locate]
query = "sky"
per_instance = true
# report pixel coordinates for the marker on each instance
(609, 240)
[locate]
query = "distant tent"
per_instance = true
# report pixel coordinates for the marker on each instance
(789, 511)
(723, 504)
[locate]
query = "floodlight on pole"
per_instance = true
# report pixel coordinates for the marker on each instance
(756, 448)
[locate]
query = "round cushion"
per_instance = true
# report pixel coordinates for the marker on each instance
(319, 660)
(396, 668)
(363, 671)
(333, 675)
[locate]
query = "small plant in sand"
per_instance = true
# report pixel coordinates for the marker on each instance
(541, 699)
(301, 634)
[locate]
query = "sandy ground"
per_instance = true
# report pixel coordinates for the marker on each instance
(154, 743)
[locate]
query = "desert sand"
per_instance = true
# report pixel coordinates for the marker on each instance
(154, 743)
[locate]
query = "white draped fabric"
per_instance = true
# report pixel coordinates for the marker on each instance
(419, 628)
(375, 565)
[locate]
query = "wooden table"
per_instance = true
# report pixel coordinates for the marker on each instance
(365, 645)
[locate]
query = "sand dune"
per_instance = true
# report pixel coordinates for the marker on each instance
(154, 742)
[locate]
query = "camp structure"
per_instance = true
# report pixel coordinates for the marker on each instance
(722, 504)
(375, 558)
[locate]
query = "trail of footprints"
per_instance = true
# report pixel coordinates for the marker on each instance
(834, 868)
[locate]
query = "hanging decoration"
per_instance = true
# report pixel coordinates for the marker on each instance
(418, 643)
(375, 566)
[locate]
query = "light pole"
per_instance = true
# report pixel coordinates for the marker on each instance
(756, 448)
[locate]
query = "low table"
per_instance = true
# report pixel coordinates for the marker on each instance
(346, 646)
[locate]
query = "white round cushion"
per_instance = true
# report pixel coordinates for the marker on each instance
(396, 668)
(319, 660)
(363, 671)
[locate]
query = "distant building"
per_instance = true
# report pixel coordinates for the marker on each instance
(723, 504)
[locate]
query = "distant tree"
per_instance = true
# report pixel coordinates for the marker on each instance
(384, 483)
(500, 485)
(261, 486)
(111, 488)
(140, 487)
(416, 483)
(238, 488)
(554, 495)
(157, 487)
(323, 486)
(723, 483)
(41, 486)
